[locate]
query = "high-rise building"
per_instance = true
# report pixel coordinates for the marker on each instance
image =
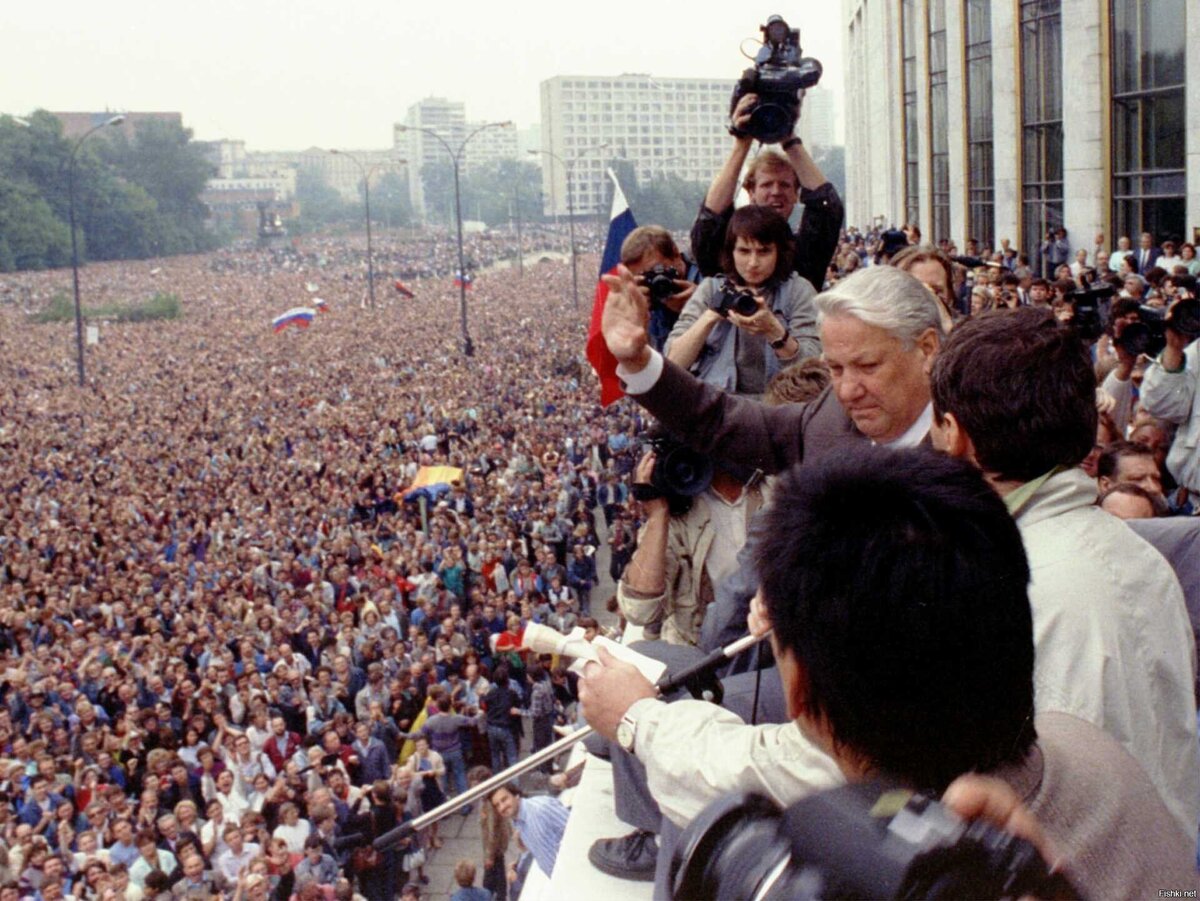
(489, 145)
(816, 119)
(1000, 119)
(447, 118)
(660, 125)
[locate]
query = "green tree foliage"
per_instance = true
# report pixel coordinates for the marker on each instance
(320, 204)
(133, 199)
(390, 204)
(664, 199)
(30, 235)
(493, 192)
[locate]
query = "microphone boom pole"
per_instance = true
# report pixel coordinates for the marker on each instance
(665, 686)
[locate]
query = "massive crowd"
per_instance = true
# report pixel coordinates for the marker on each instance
(222, 625)
(233, 648)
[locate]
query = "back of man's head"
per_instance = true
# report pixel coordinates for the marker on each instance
(897, 581)
(1022, 389)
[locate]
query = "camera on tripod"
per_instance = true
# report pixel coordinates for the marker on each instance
(780, 73)
(869, 840)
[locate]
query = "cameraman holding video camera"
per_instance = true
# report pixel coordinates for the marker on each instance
(766, 107)
(1170, 389)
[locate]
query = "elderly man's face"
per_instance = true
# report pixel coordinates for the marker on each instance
(883, 386)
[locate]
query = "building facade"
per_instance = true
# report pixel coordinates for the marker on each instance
(1005, 119)
(660, 125)
(445, 117)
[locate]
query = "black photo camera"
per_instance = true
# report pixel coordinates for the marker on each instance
(869, 840)
(733, 297)
(660, 281)
(1088, 320)
(778, 76)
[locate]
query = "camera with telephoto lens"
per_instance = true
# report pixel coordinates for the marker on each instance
(733, 297)
(778, 76)
(870, 840)
(659, 280)
(679, 474)
(1088, 319)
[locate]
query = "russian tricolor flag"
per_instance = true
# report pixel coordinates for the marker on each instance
(460, 280)
(301, 317)
(620, 224)
(322, 306)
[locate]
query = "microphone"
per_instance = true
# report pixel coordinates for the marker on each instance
(548, 640)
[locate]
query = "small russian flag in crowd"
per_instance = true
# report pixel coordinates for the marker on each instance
(620, 224)
(322, 306)
(460, 280)
(301, 317)
(403, 290)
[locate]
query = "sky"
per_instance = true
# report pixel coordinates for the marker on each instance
(291, 75)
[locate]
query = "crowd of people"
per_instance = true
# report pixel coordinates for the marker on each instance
(236, 645)
(232, 651)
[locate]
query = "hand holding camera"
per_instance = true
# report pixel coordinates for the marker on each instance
(777, 82)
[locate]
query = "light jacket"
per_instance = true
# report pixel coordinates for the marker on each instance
(1173, 396)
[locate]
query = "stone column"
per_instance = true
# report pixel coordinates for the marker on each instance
(1086, 169)
(1006, 120)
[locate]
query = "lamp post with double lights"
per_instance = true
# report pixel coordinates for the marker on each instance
(366, 176)
(569, 167)
(115, 120)
(456, 159)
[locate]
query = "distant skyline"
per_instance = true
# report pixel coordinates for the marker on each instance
(287, 76)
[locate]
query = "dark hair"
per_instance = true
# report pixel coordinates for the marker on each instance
(912, 624)
(762, 224)
(1023, 390)
(1158, 505)
(1122, 306)
(1111, 455)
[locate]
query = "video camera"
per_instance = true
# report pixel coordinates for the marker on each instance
(679, 475)
(1088, 320)
(1149, 334)
(731, 296)
(869, 840)
(778, 76)
(660, 281)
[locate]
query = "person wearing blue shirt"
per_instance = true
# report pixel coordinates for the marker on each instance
(541, 821)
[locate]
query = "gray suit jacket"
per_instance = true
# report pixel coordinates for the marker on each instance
(747, 432)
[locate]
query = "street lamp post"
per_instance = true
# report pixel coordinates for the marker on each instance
(115, 120)
(366, 174)
(456, 160)
(569, 167)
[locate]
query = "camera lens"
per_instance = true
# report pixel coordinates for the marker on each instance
(745, 304)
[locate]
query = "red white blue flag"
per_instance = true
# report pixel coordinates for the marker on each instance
(620, 224)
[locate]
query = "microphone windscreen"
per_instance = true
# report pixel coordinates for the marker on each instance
(542, 639)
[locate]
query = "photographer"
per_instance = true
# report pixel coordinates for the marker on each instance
(683, 550)
(1170, 391)
(737, 331)
(777, 181)
(668, 276)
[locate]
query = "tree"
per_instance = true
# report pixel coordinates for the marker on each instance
(500, 190)
(320, 204)
(390, 203)
(30, 235)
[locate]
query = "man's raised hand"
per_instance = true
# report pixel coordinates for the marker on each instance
(623, 325)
